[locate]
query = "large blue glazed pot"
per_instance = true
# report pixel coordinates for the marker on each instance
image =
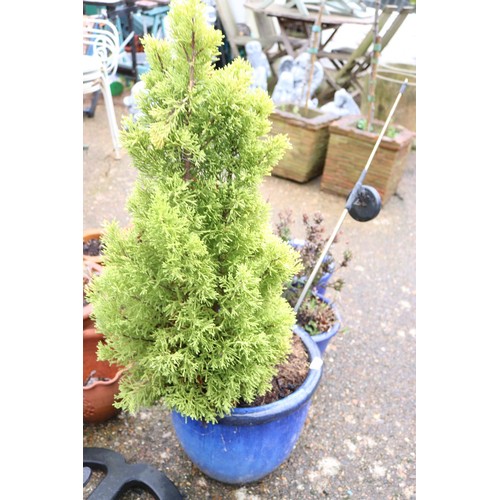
(251, 442)
(322, 339)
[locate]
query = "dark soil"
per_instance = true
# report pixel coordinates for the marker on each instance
(92, 247)
(315, 316)
(290, 376)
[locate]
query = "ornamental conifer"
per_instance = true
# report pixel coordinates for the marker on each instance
(190, 299)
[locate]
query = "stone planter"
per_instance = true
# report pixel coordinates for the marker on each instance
(308, 135)
(348, 151)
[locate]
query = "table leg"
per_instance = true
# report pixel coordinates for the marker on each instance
(130, 8)
(284, 37)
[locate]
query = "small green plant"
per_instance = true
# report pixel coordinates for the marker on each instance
(315, 316)
(190, 300)
(391, 131)
(362, 123)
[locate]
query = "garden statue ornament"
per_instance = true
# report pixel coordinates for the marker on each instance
(286, 64)
(131, 100)
(300, 71)
(343, 104)
(283, 92)
(211, 12)
(259, 78)
(259, 63)
(295, 72)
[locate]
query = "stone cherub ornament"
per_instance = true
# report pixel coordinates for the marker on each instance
(283, 92)
(259, 63)
(293, 80)
(343, 104)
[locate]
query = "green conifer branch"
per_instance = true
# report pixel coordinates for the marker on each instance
(190, 296)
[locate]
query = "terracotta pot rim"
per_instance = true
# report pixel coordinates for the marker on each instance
(92, 231)
(92, 263)
(95, 259)
(346, 125)
(93, 333)
(87, 311)
(104, 383)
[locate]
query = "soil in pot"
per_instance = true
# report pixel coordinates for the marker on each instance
(316, 316)
(291, 375)
(92, 247)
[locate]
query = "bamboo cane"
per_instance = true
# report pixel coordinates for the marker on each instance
(374, 64)
(313, 50)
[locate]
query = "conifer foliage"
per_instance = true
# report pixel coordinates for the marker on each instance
(190, 299)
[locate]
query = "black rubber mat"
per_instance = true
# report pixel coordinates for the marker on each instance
(121, 476)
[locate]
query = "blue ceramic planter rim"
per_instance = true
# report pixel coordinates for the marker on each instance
(255, 415)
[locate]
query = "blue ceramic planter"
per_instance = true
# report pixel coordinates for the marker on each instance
(325, 278)
(322, 339)
(251, 442)
(323, 281)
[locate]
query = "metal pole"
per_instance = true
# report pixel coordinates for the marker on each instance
(350, 200)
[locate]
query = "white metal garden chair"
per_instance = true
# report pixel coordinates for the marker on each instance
(101, 49)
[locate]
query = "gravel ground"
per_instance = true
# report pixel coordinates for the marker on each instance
(359, 438)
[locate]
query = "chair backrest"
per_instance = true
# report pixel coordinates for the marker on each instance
(227, 11)
(361, 56)
(100, 38)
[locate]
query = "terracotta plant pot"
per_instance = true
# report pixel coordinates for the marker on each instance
(88, 235)
(98, 398)
(89, 269)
